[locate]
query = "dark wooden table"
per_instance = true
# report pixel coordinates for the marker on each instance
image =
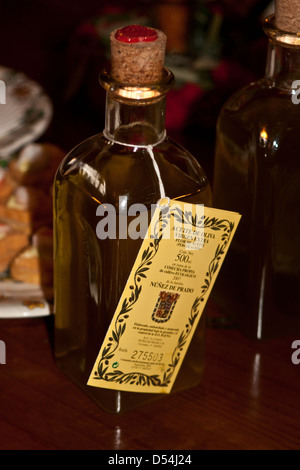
(248, 399)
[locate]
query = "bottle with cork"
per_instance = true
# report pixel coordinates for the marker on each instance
(131, 162)
(257, 172)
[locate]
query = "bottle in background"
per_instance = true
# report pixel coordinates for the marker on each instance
(257, 173)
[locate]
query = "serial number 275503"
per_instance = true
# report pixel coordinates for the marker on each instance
(147, 356)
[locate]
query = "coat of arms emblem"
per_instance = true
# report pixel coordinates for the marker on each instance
(164, 306)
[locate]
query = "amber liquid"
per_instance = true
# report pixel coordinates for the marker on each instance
(90, 274)
(257, 173)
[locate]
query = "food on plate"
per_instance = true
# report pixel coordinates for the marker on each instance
(36, 164)
(11, 243)
(26, 248)
(34, 264)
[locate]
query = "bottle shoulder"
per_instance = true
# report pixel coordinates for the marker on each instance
(247, 94)
(175, 155)
(260, 104)
(102, 166)
(80, 154)
(96, 149)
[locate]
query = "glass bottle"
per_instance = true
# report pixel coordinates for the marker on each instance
(257, 173)
(132, 161)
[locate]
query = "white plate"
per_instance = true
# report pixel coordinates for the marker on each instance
(20, 300)
(25, 111)
(25, 114)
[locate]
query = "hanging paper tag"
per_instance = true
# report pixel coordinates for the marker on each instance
(164, 297)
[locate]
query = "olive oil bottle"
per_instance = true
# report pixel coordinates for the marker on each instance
(257, 173)
(131, 162)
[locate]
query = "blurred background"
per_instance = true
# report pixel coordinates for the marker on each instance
(214, 47)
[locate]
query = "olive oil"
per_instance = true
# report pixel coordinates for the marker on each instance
(257, 173)
(131, 162)
(90, 274)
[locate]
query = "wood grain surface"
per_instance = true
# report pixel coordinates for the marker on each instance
(248, 399)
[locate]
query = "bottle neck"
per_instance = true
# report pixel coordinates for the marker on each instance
(133, 123)
(283, 64)
(283, 59)
(135, 115)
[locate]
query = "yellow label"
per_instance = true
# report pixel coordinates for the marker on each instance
(164, 298)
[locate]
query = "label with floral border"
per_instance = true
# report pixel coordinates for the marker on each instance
(164, 298)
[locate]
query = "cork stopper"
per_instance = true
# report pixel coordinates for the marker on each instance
(287, 15)
(137, 55)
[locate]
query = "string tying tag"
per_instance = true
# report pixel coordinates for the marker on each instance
(114, 141)
(149, 149)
